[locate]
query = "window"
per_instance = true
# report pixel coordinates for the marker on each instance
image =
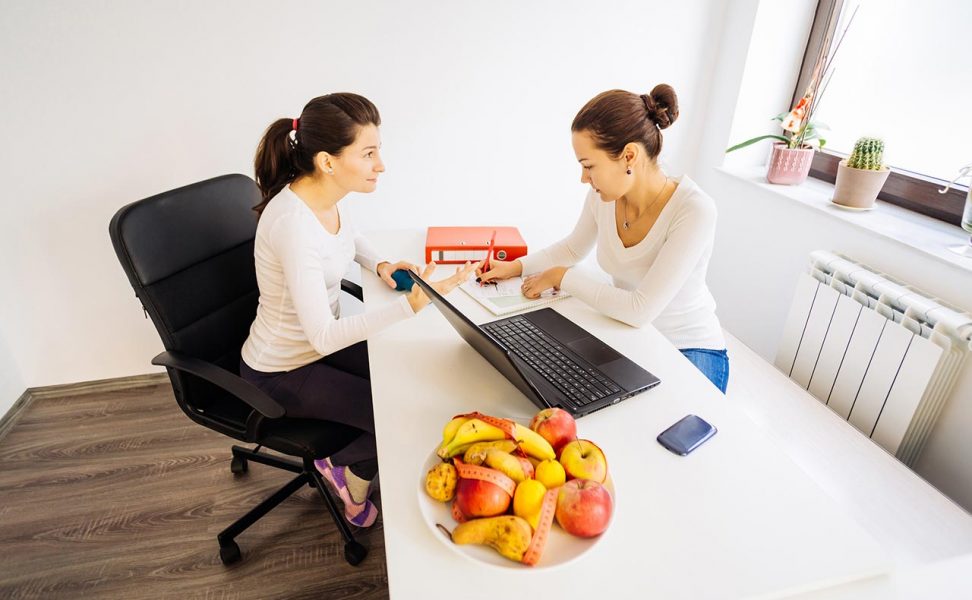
(902, 73)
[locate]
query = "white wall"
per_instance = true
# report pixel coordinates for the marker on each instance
(107, 102)
(11, 383)
(763, 240)
(104, 103)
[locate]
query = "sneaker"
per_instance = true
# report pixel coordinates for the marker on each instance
(359, 514)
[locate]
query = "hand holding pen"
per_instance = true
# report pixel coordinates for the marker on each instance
(500, 269)
(486, 264)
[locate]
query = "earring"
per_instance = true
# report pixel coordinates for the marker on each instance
(629, 170)
(330, 171)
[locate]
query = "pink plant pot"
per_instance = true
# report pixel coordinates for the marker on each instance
(788, 166)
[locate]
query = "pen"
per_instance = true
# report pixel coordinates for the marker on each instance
(489, 252)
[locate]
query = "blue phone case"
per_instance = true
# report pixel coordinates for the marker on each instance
(686, 435)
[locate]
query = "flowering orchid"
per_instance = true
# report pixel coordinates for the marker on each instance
(799, 129)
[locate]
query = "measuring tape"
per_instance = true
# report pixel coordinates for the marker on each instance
(485, 474)
(507, 425)
(547, 510)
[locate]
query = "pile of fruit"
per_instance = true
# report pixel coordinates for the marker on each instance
(507, 482)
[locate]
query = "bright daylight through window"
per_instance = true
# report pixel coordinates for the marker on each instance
(904, 74)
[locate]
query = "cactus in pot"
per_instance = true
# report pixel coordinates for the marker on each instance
(862, 175)
(868, 154)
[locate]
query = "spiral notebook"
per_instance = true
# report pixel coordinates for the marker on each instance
(505, 297)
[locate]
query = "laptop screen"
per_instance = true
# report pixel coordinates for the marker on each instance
(488, 347)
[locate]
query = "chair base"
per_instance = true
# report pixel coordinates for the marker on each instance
(307, 474)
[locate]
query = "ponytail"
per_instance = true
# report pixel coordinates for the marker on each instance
(275, 164)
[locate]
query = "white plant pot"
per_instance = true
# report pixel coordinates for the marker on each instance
(858, 188)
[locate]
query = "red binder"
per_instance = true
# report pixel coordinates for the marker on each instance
(456, 245)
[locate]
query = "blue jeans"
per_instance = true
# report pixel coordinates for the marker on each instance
(714, 364)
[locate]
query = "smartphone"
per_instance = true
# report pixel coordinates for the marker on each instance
(686, 435)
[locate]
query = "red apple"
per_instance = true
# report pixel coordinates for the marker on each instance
(584, 507)
(478, 498)
(555, 425)
(582, 459)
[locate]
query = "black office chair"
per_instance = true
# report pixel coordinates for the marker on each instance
(189, 255)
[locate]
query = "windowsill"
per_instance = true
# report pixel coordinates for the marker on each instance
(924, 234)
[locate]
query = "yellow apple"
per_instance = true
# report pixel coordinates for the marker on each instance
(582, 459)
(551, 474)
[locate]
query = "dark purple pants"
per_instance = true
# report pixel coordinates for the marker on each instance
(336, 388)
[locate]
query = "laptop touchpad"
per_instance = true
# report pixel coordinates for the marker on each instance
(594, 351)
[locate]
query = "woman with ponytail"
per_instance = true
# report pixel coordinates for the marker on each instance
(654, 233)
(300, 350)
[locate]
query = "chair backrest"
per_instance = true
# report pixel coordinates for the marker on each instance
(188, 254)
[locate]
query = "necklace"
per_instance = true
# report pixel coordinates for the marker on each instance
(625, 223)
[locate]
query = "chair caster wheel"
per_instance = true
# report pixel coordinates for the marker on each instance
(230, 553)
(239, 465)
(354, 553)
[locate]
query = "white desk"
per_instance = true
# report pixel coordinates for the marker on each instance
(738, 518)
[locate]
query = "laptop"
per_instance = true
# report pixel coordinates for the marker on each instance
(552, 360)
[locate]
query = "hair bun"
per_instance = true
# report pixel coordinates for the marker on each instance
(649, 105)
(662, 105)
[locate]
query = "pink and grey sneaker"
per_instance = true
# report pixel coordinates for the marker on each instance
(359, 514)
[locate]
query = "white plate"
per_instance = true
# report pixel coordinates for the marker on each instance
(561, 547)
(856, 208)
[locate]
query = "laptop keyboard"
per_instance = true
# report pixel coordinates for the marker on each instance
(580, 384)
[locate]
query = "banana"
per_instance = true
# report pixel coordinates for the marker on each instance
(459, 450)
(440, 482)
(533, 444)
(507, 464)
(469, 432)
(476, 453)
(509, 535)
(451, 427)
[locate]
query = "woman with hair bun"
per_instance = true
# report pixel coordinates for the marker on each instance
(300, 350)
(654, 233)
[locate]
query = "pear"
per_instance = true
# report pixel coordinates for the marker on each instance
(509, 535)
(507, 464)
(440, 482)
(476, 454)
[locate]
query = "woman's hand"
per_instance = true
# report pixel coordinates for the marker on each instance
(418, 299)
(534, 285)
(385, 270)
(500, 269)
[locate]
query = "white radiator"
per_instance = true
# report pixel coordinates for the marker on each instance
(880, 354)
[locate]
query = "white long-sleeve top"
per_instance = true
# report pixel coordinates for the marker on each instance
(299, 267)
(659, 280)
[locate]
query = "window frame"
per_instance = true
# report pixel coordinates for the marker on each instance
(907, 189)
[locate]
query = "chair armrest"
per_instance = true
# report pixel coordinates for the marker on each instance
(239, 387)
(352, 288)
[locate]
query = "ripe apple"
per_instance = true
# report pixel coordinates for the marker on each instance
(584, 507)
(478, 498)
(582, 459)
(555, 425)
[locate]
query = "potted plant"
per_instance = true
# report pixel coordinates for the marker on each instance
(966, 249)
(861, 176)
(792, 154)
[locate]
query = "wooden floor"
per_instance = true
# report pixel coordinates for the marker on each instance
(120, 495)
